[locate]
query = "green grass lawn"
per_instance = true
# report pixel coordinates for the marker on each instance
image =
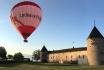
(36, 66)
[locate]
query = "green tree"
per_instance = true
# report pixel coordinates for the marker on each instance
(3, 53)
(10, 56)
(36, 55)
(18, 56)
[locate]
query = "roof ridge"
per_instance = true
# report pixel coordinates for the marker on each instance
(69, 50)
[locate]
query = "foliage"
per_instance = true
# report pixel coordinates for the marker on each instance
(36, 55)
(3, 53)
(18, 56)
(10, 56)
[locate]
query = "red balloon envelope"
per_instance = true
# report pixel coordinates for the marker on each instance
(26, 17)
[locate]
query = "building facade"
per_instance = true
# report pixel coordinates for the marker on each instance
(93, 54)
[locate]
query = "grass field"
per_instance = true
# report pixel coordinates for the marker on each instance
(36, 66)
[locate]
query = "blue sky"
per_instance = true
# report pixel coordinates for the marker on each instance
(63, 21)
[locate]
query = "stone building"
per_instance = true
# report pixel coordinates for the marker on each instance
(93, 54)
(95, 48)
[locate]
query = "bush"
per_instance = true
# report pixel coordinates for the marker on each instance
(10, 56)
(18, 57)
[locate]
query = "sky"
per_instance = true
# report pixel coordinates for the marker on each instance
(63, 21)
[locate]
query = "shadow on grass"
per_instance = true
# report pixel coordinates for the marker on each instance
(13, 64)
(35, 63)
(9, 65)
(51, 64)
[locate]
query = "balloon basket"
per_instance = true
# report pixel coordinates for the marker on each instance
(25, 41)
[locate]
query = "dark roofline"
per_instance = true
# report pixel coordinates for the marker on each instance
(68, 50)
(44, 49)
(95, 33)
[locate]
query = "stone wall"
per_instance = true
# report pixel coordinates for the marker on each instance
(79, 56)
(95, 49)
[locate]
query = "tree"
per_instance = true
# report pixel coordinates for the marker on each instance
(36, 55)
(10, 56)
(3, 53)
(18, 56)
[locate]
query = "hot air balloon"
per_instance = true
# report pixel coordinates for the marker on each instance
(26, 17)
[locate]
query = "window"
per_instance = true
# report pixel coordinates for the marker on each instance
(71, 56)
(79, 56)
(53, 57)
(66, 57)
(83, 56)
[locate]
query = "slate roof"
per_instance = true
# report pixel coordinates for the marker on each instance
(43, 49)
(95, 33)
